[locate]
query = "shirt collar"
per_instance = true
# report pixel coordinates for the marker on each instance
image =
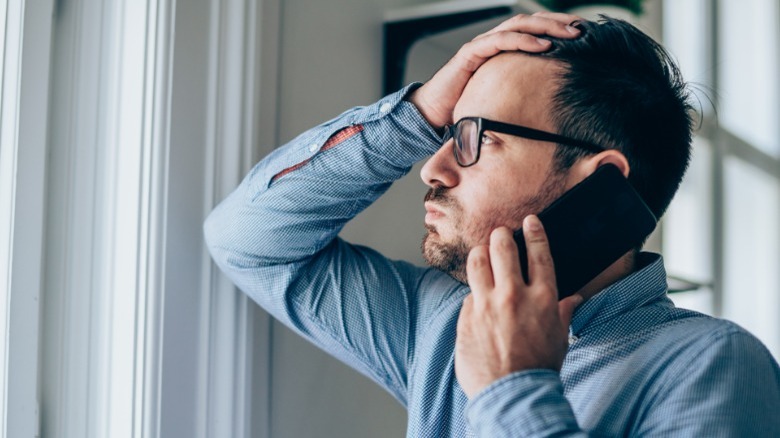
(646, 284)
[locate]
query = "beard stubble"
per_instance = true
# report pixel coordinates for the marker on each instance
(451, 257)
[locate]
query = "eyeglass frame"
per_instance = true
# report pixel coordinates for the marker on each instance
(484, 124)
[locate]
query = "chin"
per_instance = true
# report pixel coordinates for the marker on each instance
(448, 257)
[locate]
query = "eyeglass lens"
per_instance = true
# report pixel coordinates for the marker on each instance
(466, 141)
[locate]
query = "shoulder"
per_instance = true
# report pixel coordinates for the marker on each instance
(686, 346)
(730, 345)
(709, 331)
(713, 378)
(695, 330)
(700, 345)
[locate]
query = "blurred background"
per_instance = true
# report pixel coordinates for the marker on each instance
(123, 122)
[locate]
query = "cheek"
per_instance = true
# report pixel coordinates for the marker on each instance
(497, 191)
(483, 211)
(497, 202)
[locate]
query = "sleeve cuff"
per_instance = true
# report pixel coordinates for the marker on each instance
(412, 138)
(524, 403)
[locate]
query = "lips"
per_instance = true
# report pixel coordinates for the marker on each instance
(438, 204)
(432, 213)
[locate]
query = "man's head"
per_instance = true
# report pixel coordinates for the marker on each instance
(612, 87)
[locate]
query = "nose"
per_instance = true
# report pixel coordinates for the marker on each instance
(441, 170)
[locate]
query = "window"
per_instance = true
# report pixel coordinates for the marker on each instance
(747, 51)
(118, 135)
(723, 228)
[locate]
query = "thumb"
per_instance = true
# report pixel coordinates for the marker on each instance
(566, 308)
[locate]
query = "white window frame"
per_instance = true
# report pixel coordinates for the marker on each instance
(24, 77)
(154, 127)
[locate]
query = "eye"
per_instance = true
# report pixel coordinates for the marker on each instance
(487, 140)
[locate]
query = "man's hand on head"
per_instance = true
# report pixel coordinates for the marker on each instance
(436, 98)
(508, 325)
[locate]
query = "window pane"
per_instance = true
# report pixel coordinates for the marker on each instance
(699, 300)
(752, 252)
(748, 68)
(687, 232)
(685, 37)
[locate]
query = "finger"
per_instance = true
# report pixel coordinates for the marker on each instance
(473, 54)
(540, 24)
(540, 262)
(556, 26)
(566, 309)
(478, 272)
(559, 16)
(504, 258)
(466, 310)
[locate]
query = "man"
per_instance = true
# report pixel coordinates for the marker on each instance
(469, 347)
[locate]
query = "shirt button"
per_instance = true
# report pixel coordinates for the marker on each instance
(573, 339)
(385, 107)
(313, 147)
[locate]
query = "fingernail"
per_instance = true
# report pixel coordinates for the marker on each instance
(542, 41)
(532, 223)
(572, 30)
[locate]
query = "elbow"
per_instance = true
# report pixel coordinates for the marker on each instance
(214, 237)
(233, 243)
(222, 235)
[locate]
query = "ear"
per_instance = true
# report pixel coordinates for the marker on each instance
(586, 166)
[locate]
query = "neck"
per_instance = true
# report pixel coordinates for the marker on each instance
(622, 268)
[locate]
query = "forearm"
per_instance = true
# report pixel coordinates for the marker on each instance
(297, 199)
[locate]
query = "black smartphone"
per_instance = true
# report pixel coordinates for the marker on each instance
(590, 227)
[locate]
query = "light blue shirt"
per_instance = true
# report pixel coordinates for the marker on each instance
(636, 365)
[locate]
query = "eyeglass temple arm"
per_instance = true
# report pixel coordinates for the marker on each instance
(535, 134)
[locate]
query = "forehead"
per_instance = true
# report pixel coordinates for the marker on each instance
(512, 88)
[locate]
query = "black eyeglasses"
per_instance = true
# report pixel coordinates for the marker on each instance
(468, 132)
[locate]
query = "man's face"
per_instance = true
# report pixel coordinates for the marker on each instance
(514, 176)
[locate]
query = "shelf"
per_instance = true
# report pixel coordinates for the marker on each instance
(404, 27)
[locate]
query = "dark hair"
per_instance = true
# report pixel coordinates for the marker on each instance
(622, 90)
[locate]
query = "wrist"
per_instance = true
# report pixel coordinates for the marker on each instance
(417, 99)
